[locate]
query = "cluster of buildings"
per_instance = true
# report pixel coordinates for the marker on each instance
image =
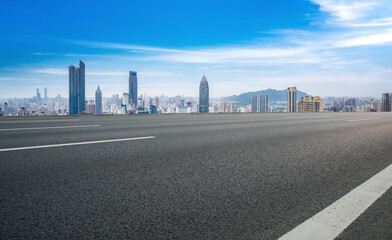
(132, 103)
(305, 104)
(34, 106)
(334, 104)
(77, 93)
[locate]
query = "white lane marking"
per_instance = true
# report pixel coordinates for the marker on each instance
(331, 221)
(307, 117)
(54, 120)
(39, 128)
(76, 143)
(364, 119)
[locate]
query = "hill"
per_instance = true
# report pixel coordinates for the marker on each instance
(273, 96)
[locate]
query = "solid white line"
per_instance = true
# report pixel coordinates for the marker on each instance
(331, 221)
(54, 120)
(365, 119)
(307, 117)
(74, 144)
(39, 128)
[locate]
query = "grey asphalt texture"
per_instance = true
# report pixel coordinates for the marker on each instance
(205, 176)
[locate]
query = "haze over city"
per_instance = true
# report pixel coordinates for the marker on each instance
(324, 47)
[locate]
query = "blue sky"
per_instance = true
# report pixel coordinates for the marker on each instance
(324, 47)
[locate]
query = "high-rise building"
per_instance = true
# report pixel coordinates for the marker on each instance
(98, 101)
(292, 99)
(118, 100)
(310, 104)
(379, 106)
(204, 101)
(133, 87)
(38, 96)
(125, 100)
(232, 107)
(91, 107)
(386, 102)
(45, 95)
(5, 109)
(77, 103)
(350, 102)
(259, 103)
(156, 102)
(223, 107)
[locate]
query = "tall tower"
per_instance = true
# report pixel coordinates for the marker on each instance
(6, 109)
(259, 103)
(38, 97)
(204, 101)
(133, 87)
(77, 103)
(98, 101)
(292, 99)
(45, 95)
(386, 102)
(82, 90)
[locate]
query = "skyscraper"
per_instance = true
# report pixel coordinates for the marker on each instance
(292, 99)
(259, 103)
(82, 92)
(38, 97)
(204, 102)
(45, 95)
(5, 109)
(98, 101)
(77, 103)
(133, 87)
(386, 102)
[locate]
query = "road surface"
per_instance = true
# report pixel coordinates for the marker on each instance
(190, 176)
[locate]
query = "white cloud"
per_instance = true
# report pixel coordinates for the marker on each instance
(357, 13)
(155, 73)
(131, 47)
(384, 22)
(367, 40)
(53, 71)
(243, 55)
(42, 54)
(344, 10)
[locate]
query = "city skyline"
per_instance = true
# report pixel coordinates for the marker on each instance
(329, 48)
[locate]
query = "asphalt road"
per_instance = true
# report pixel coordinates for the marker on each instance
(203, 176)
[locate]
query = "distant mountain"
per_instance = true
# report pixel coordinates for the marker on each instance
(273, 96)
